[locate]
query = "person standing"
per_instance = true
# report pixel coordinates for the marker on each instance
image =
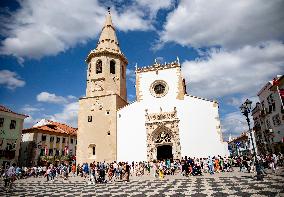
(110, 172)
(127, 171)
(153, 169)
(78, 169)
(272, 164)
(85, 170)
(115, 169)
(161, 171)
(73, 170)
(48, 174)
(210, 165)
(65, 172)
(10, 176)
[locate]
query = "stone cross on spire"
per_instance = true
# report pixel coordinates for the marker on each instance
(108, 22)
(108, 41)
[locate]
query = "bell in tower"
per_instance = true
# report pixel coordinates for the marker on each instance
(106, 64)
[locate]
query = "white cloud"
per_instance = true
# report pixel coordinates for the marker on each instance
(233, 101)
(69, 114)
(10, 79)
(71, 97)
(130, 20)
(242, 71)
(231, 24)
(33, 112)
(250, 37)
(237, 101)
(56, 26)
(160, 60)
(234, 123)
(51, 98)
(154, 6)
(131, 75)
(31, 109)
(30, 121)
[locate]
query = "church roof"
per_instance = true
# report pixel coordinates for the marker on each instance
(108, 42)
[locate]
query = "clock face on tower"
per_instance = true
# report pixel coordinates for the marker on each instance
(159, 88)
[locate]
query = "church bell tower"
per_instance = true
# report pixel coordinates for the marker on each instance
(105, 94)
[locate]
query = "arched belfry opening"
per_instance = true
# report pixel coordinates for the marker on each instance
(112, 67)
(99, 67)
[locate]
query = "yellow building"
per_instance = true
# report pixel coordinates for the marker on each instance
(11, 125)
(47, 138)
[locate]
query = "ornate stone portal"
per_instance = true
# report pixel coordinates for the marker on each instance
(162, 129)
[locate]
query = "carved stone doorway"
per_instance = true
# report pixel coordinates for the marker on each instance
(162, 131)
(164, 152)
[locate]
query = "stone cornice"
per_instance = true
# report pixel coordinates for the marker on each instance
(158, 66)
(162, 122)
(161, 116)
(105, 95)
(95, 53)
(213, 101)
(82, 98)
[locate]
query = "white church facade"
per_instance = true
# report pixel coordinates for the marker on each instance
(163, 122)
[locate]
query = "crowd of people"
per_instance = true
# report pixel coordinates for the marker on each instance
(102, 172)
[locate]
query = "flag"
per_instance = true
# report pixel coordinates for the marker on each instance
(45, 151)
(281, 92)
(275, 82)
(66, 150)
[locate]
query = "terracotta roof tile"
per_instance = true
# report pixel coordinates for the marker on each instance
(55, 127)
(5, 109)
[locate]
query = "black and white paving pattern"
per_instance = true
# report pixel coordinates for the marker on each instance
(230, 184)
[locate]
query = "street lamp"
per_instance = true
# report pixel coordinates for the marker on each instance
(246, 109)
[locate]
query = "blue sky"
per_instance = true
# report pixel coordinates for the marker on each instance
(228, 50)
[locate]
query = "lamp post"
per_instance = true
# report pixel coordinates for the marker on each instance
(246, 109)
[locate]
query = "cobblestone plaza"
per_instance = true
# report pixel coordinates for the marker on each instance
(220, 184)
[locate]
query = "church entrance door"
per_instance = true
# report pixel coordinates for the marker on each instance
(164, 152)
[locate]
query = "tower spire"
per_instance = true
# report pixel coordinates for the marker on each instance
(108, 42)
(108, 21)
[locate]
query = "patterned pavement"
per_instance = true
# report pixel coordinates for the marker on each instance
(230, 184)
(197, 186)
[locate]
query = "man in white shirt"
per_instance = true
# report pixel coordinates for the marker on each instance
(11, 171)
(10, 175)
